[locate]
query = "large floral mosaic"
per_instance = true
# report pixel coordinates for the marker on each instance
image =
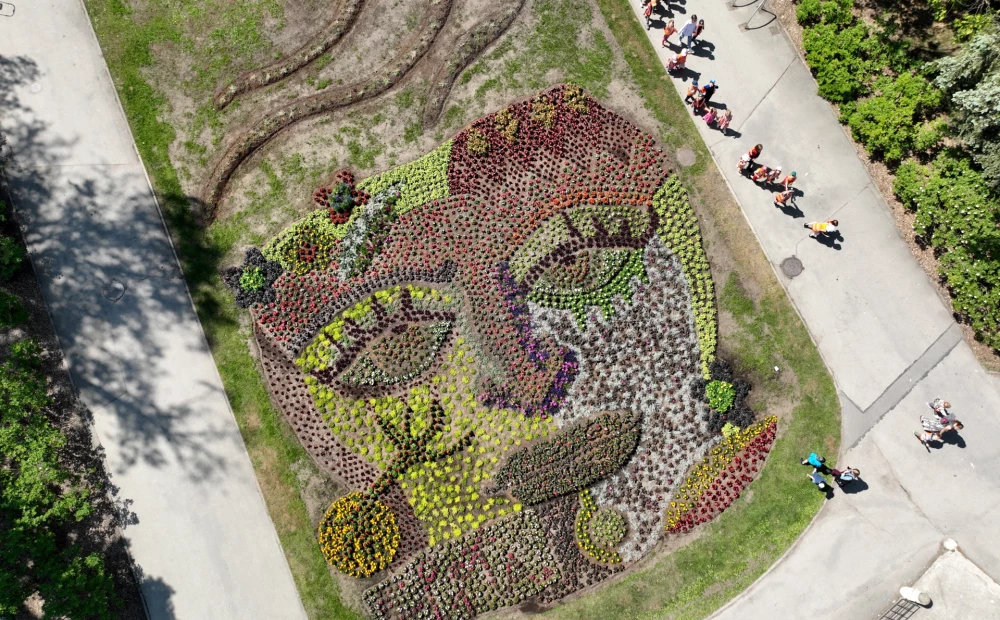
(506, 350)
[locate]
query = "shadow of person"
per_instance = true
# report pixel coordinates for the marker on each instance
(791, 209)
(717, 105)
(858, 486)
(797, 193)
(953, 439)
(656, 23)
(703, 49)
(732, 133)
(830, 241)
(685, 74)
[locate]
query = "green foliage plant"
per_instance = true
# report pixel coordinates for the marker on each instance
(39, 498)
(252, 279)
(840, 59)
(957, 212)
(721, 395)
(893, 121)
(12, 311)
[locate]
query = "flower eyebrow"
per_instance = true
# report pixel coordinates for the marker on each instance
(625, 237)
(442, 275)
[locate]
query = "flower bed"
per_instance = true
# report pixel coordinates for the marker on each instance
(510, 337)
(719, 480)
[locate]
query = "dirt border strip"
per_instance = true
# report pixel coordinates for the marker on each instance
(342, 22)
(269, 126)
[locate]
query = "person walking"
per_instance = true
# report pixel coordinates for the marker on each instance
(760, 174)
(691, 91)
(700, 28)
(783, 198)
(933, 431)
(709, 90)
(724, 119)
(648, 13)
(846, 476)
(789, 180)
(755, 152)
(687, 32)
(668, 30)
(828, 227)
(678, 61)
(709, 117)
(743, 165)
(941, 408)
(817, 462)
(775, 175)
(818, 479)
(698, 103)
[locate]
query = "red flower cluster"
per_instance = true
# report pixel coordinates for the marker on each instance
(730, 482)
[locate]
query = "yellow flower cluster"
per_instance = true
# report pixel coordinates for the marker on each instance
(359, 535)
(507, 124)
(702, 476)
(583, 518)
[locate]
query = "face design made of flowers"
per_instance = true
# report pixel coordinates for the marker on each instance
(494, 347)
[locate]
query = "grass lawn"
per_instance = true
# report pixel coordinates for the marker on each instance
(765, 330)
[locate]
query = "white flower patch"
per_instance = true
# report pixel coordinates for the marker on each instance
(644, 358)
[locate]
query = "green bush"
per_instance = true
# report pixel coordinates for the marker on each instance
(808, 12)
(11, 257)
(840, 60)
(39, 498)
(959, 215)
(721, 395)
(892, 122)
(837, 12)
(12, 312)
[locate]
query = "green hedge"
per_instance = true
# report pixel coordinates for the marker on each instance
(898, 115)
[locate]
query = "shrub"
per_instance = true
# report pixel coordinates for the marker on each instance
(840, 60)
(11, 257)
(808, 12)
(959, 215)
(12, 312)
(721, 395)
(890, 123)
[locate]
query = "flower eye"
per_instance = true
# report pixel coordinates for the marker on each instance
(587, 278)
(387, 339)
(401, 354)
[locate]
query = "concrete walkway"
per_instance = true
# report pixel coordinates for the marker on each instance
(887, 337)
(134, 346)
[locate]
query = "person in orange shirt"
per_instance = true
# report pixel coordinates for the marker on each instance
(774, 175)
(760, 174)
(783, 198)
(789, 180)
(692, 90)
(828, 227)
(668, 30)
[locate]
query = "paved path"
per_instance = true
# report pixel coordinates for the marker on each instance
(134, 346)
(887, 337)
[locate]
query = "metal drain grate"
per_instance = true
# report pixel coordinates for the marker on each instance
(791, 266)
(902, 610)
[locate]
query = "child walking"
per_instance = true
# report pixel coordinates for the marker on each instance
(724, 119)
(828, 227)
(668, 30)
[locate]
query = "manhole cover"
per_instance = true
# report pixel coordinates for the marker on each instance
(791, 266)
(686, 157)
(114, 290)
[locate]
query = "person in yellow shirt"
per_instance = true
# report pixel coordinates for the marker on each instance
(828, 227)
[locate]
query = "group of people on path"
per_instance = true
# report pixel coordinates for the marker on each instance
(933, 429)
(699, 97)
(767, 177)
(842, 477)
